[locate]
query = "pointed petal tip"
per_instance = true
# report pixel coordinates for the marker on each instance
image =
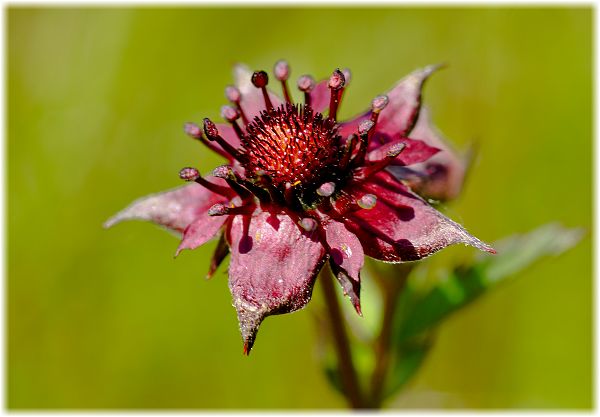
(247, 348)
(110, 222)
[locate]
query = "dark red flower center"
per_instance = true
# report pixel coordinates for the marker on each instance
(292, 145)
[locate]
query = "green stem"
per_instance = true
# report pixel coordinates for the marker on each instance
(342, 345)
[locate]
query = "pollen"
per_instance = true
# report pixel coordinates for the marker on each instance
(291, 144)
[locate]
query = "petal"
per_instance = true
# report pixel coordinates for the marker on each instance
(174, 209)
(273, 268)
(200, 231)
(319, 96)
(401, 112)
(220, 253)
(400, 115)
(347, 259)
(252, 100)
(415, 151)
(442, 176)
(402, 226)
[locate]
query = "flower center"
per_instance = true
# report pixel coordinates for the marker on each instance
(292, 144)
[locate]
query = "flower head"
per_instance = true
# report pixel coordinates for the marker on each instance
(300, 188)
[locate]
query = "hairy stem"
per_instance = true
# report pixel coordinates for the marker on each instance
(342, 345)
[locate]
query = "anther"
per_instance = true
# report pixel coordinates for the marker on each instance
(367, 171)
(231, 114)
(364, 131)
(218, 210)
(395, 150)
(192, 174)
(326, 189)
(336, 85)
(193, 130)
(282, 73)
(189, 174)
(212, 133)
(367, 201)
(365, 126)
(308, 224)
(306, 84)
(234, 95)
(225, 172)
(379, 103)
(260, 79)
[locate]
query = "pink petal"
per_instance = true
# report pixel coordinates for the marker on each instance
(174, 209)
(415, 151)
(273, 268)
(200, 231)
(319, 96)
(347, 259)
(402, 226)
(252, 100)
(442, 176)
(400, 115)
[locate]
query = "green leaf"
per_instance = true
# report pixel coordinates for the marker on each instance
(408, 360)
(467, 282)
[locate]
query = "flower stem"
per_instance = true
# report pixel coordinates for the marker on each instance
(346, 365)
(391, 289)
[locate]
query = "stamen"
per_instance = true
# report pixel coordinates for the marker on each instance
(306, 84)
(325, 190)
(241, 186)
(231, 114)
(192, 174)
(222, 210)
(377, 105)
(365, 172)
(193, 130)
(212, 133)
(260, 79)
(348, 150)
(234, 95)
(364, 129)
(336, 84)
(282, 73)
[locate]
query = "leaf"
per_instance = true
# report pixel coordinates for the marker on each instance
(408, 360)
(467, 282)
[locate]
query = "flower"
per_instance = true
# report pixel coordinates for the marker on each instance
(300, 189)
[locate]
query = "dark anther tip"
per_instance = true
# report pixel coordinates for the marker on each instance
(260, 79)
(210, 129)
(337, 80)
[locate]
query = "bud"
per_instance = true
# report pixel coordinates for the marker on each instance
(337, 80)
(306, 83)
(281, 70)
(260, 79)
(189, 174)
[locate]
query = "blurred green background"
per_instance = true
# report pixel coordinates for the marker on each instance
(96, 103)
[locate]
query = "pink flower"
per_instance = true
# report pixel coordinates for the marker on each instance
(301, 189)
